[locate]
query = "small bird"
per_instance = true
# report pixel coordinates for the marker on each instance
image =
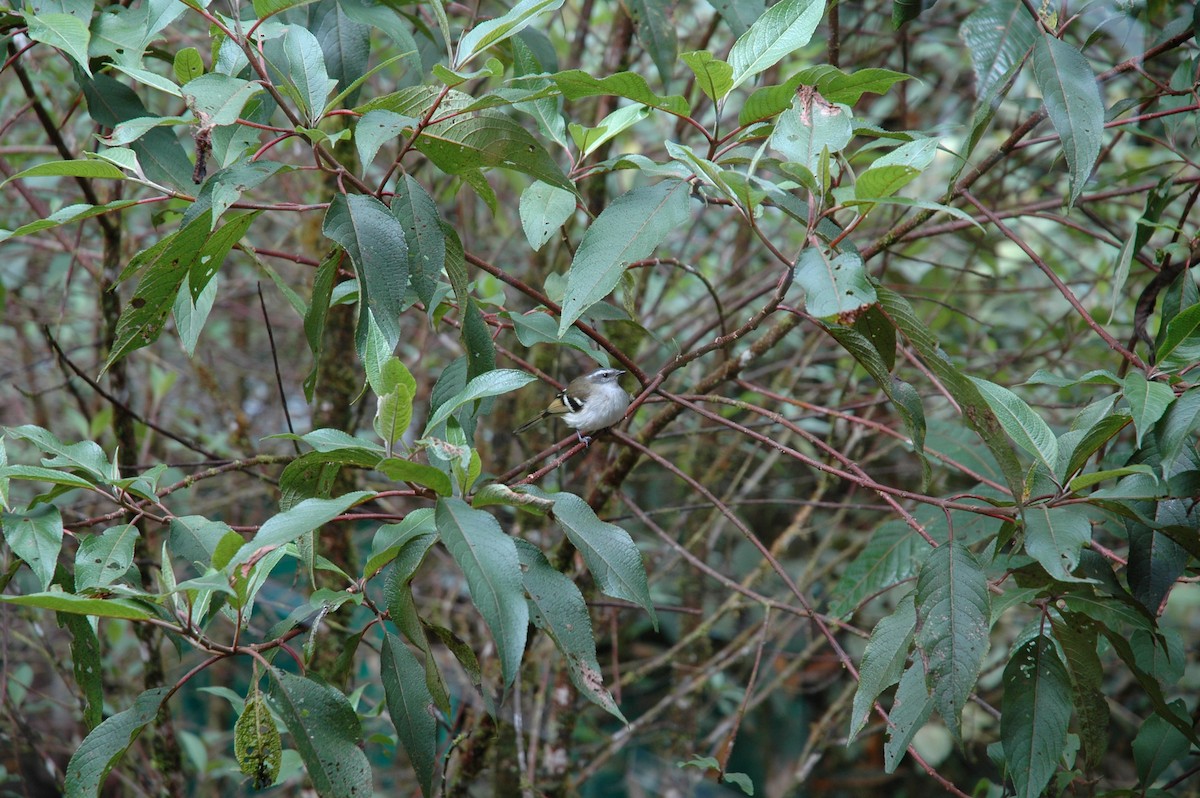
(591, 402)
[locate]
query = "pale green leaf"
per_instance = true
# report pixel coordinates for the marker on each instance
(35, 535)
(713, 76)
(103, 559)
(485, 34)
(107, 743)
(833, 284)
(1026, 428)
(64, 32)
(883, 660)
(492, 383)
(998, 36)
(544, 209)
(1054, 536)
(784, 28)
(1148, 401)
(291, 524)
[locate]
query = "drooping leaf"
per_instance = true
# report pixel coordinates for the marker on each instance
(375, 241)
(256, 742)
(1035, 713)
(892, 555)
(953, 610)
(465, 144)
(627, 230)
(326, 731)
(544, 209)
(492, 383)
(657, 33)
(557, 607)
(784, 28)
(488, 558)
(107, 743)
(35, 535)
(418, 215)
(608, 551)
(911, 707)
(1073, 102)
(883, 660)
(64, 32)
(409, 702)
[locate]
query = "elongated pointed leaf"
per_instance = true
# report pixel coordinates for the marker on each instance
(485, 34)
(784, 28)
(1035, 712)
(544, 209)
(493, 383)
(326, 731)
(418, 215)
(892, 555)
(376, 243)
(953, 610)
(883, 660)
(557, 607)
(911, 708)
(64, 32)
(609, 552)
(108, 742)
(409, 705)
(1073, 101)
(291, 524)
(1025, 427)
(576, 83)
(626, 231)
(488, 558)
(466, 144)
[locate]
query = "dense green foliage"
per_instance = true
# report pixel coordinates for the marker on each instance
(906, 499)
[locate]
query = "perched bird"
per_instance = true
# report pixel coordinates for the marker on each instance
(591, 402)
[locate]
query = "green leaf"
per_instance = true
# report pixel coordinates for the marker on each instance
(326, 731)
(891, 556)
(911, 708)
(35, 535)
(544, 209)
(488, 558)
(1155, 564)
(589, 139)
(100, 170)
(493, 383)
(409, 703)
(376, 128)
(1159, 744)
(393, 413)
(417, 473)
(953, 609)
(107, 743)
(833, 286)
(1054, 536)
(1073, 102)
(557, 608)
(831, 83)
(406, 541)
(628, 230)
(657, 33)
(462, 145)
(79, 605)
(187, 65)
(266, 8)
(883, 181)
(375, 241)
(88, 666)
(1180, 345)
(1148, 401)
(291, 524)
(67, 214)
(1025, 427)
(1096, 436)
(256, 742)
(1176, 427)
(784, 28)
(103, 559)
(86, 456)
(305, 70)
(999, 36)
(713, 76)
(1035, 713)
(883, 660)
(575, 83)
(608, 551)
(418, 215)
(193, 253)
(1078, 643)
(111, 102)
(485, 34)
(64, 32)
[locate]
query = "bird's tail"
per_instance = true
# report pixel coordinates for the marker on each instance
(530, 422)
